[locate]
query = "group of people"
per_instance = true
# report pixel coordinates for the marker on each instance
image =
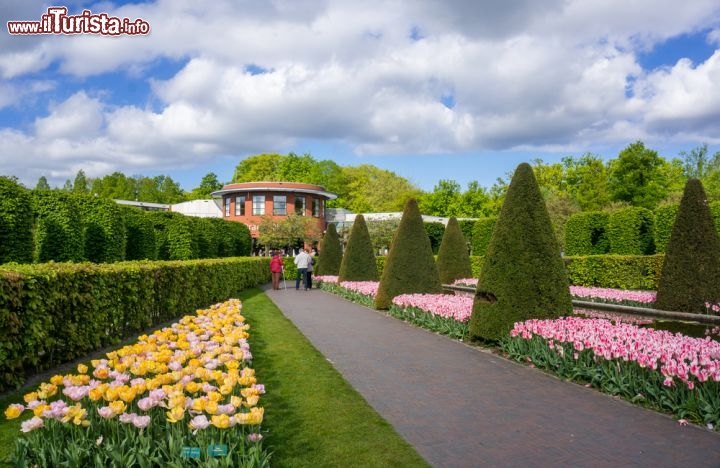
(304, 263)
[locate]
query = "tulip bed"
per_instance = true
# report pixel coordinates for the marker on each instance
(670, 372)
(184, 395)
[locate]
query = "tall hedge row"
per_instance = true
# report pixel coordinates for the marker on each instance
(482, 233)
(16, 222)
(139, 234)
(665, 216)
(103, 229)
(435, 231)
(55, 312)
(453, 260)
(631, 231)
(59, 233)
(586, 233)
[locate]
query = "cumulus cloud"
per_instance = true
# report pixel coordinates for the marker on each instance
(260, 76)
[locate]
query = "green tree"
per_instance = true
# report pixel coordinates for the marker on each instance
(330, 251)
(382, 232)
(453, 261)
(81, 184)
(277, 233)
(587, 181)
(42, 184)
(691, 269)
(358, 262)
(371, 189)
(208, 185)
(445, 199)
(523, 275)
(638, 177)
(258, 168)
(475, 201)
(410, 266)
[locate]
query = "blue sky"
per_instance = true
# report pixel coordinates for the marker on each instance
(430, 89)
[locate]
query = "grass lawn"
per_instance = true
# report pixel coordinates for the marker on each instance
(313, 417)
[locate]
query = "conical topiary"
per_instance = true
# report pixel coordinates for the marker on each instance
(523, 276)
(453, 260)
(691, 270)
(330, 256)
(358, 262)
(410, 266)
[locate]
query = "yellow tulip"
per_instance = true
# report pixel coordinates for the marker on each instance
(251, 401)
(47, 390)
(14, 411)
(32, 396)
(118, 407)
(56, 380)
(221, 421)
(82, 368)
(236, 401)
(211, 407)
(38, 410)
(176, 414)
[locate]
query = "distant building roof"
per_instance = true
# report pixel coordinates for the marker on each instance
(294, 187)
(198, 208)
(145, 205)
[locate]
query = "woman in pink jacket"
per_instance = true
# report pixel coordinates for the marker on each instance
(276, 267)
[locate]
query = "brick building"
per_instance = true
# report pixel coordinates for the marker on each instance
(248, 202)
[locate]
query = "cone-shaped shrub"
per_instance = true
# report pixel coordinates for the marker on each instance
(453, 260)
(330, 253)
(691, 271)
(523, 276)
(410, 267)
(358, 262)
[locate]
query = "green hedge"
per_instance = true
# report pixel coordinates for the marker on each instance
(140, 243)
(586, 233)
(615, 271)
(631, 231)
(59, 234)
(482, 233)
(55, 312)
(435, 231)
(16, 222)
(103, 229)
(664, 221)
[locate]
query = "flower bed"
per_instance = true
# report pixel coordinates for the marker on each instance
(667, 371)
(182, 393)
(442, 313)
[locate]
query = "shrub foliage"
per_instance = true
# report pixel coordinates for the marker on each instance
(523, 275)
(410, 266)
(453, 260)
(330, 253)
(358, 262)
(665, 216)
(631, 231)
(481, 235)
(16, 222)
(691, 272)
(586, 233)
(59, 234)
(139, 234)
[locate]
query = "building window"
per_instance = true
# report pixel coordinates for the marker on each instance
(227, 206)
(279, 205)
(300, 206)
(258, 205)
(239, 206)
(316, 208)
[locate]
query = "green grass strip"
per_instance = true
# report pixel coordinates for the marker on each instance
(313, 415)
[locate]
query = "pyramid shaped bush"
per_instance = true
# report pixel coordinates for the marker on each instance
(330, 253)
(453, 260)
(691, 270)
(358, 262)
(523, 276)
(410, 266)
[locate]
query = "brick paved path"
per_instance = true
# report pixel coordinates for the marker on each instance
(460, 406)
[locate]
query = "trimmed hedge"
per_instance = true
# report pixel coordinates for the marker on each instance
(523, 276)
(103, 228)
(631, 231)
(140, 243)
(664, 220)
(410, 266)
(482, 233)
(615, 271)
(59, 233)
(330, 253)
(453, 260)
(358, 262)
(52, 313)
(16, 222)
(467, 226)
(586, 233)
(691, 272)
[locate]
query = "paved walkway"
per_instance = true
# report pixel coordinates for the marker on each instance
(460, 406)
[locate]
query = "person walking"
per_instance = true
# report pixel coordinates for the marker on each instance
(276, 267)
(302, 260)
